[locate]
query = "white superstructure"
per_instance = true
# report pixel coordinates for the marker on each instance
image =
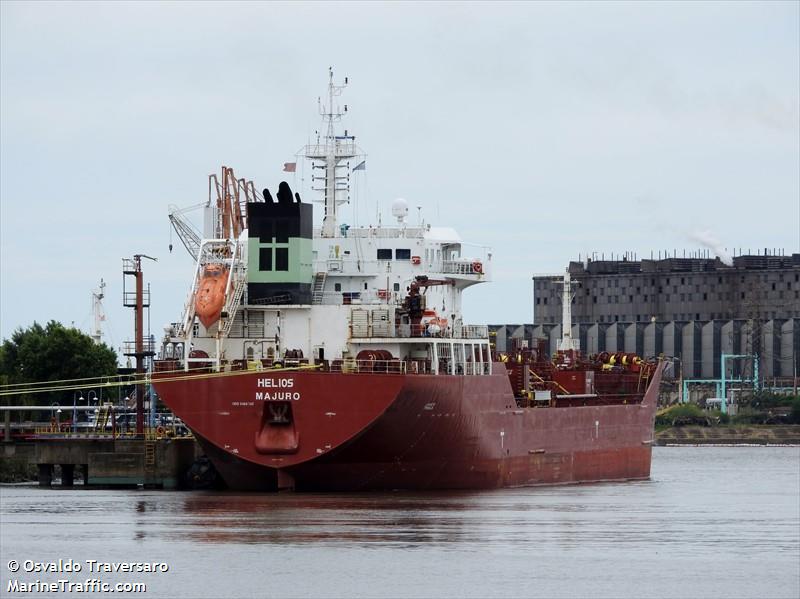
(361, 281)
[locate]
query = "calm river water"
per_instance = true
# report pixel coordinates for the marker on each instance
(712, 522)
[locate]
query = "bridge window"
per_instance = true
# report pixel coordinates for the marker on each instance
(265, 259)
(281, 258)
(401, 254)
(384, 254)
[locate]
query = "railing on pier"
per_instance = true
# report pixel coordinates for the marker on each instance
(119, 423)
(65, 430)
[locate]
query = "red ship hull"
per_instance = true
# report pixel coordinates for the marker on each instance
(394, 431)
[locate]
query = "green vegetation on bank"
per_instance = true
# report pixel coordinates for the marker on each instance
(16, 470)
(763, 409)
(51, 353)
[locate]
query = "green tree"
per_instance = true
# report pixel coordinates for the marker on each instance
(794, 415)
(52, 353)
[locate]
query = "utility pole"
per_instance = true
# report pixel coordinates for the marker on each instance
(138, 300)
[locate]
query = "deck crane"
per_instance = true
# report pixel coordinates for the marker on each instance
(227, 199)
(423, 281)
(414, 303)
(220, 255)
(187, 232)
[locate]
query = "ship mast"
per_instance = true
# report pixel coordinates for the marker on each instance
(329, 151)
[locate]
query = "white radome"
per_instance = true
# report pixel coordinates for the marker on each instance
(400, 209)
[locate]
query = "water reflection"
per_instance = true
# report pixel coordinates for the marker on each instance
(713, 522)
(382, 519)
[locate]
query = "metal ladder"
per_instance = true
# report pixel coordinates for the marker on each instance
(232, 303)
(319, 287)
(102, 418)
(149, 453)
(187, 320)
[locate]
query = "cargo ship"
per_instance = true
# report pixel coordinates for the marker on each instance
(336, 358)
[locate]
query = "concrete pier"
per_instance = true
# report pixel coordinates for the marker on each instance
(67, 475)
(127, 462)
(120, 462)
(45, 475)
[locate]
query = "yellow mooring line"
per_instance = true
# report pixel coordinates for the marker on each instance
(147, 379)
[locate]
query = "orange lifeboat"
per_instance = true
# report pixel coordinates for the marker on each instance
(211, 294)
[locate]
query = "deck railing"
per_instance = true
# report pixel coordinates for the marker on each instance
(467, 331)
(349, 264)
(353, 366)
(462, 267)
(382, 232)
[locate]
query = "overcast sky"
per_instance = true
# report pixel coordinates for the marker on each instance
(544, 130)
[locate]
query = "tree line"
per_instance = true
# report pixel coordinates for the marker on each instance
(51, 353)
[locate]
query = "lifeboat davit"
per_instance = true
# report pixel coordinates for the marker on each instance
(432, 323)
(211, 294)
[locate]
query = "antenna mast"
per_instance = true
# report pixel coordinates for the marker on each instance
(97, 311)
(567, 343)
(330, 150)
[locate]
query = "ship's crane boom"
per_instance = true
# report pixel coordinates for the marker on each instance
(188, 234)
(422, 281)
(414, 302)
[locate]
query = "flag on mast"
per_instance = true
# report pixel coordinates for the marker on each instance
(289, 167)
(362, 166)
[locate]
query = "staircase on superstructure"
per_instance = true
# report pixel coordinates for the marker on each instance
(228, 198)
(317, 293)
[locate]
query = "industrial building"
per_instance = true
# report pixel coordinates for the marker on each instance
(681, 289)
(695, 309)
